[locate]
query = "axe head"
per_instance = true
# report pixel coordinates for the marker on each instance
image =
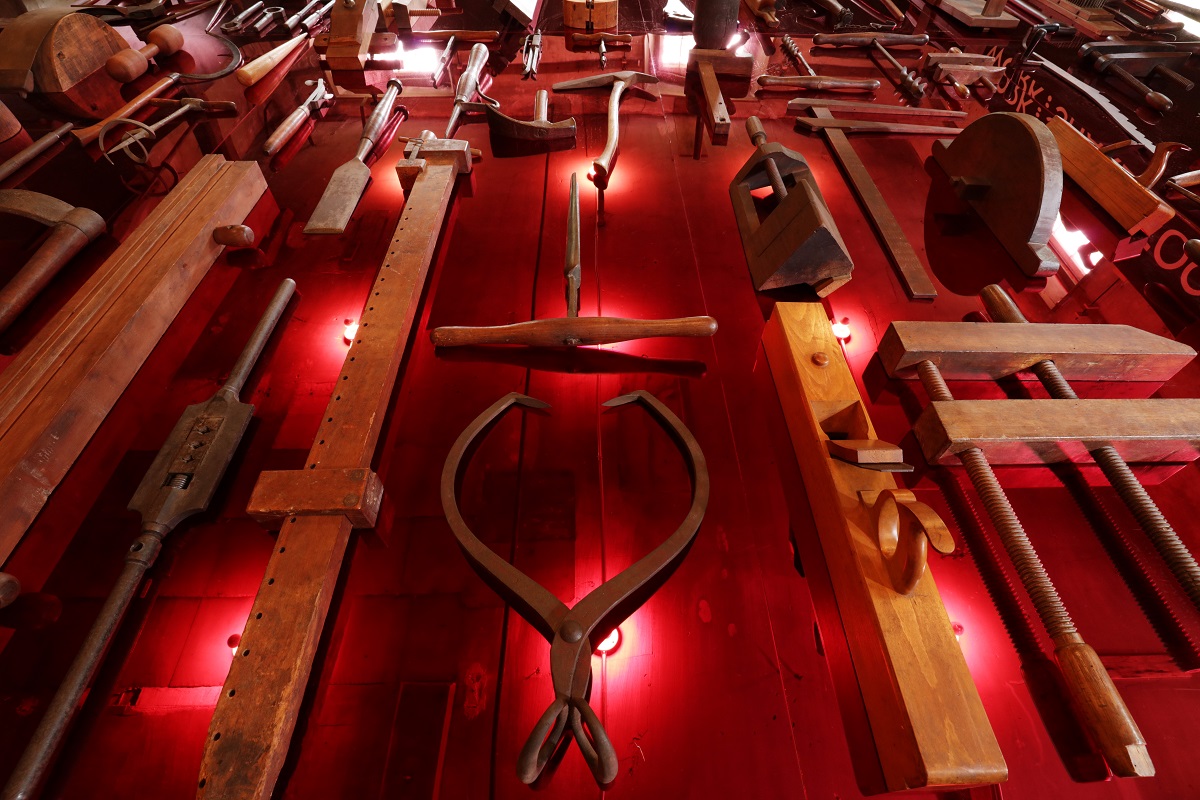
(628, 77)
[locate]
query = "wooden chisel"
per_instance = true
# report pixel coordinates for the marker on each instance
(346, 186)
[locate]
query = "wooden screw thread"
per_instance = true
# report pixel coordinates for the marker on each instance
(1166, 541)
(1029, 567)
(758, 137)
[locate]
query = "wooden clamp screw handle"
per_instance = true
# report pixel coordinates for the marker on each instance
(234, 236)
(129, 65)
(905, 528)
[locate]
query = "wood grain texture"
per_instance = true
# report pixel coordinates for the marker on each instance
(69, 69)
(258, 707)
(900, 252)
(984, 351)
(1133, 206)
(926, 717)
(1050, 431)
(60, 388)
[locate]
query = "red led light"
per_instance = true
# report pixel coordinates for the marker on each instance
(842, 329)
(233, 641)
(610, 642)
(350, 331)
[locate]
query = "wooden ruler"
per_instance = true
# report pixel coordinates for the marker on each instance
(900, 252)
(334, 492)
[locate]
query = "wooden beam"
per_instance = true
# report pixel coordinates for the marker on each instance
(986, 351)
(259, 704)
(59, 389)
(926, 717)
(1032, 432)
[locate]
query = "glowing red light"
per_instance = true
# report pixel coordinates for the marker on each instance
(610, 642)
(233, 641)
(350, 331)
(958, 629)
(842, 329)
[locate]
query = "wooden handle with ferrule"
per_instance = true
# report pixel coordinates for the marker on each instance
(867, 39)
(89, 134)
(573, 331)
(820, 83)
(283, 134)
(378, 118)
(252, 73)
(1102, 711)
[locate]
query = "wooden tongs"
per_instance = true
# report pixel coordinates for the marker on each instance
(572, 330)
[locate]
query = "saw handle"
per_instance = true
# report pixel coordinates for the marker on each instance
(819, 83)
(573, 331)
(89, 134)
(128, 65)
(868, 39)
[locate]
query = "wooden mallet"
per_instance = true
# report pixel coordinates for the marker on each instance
(129, 65)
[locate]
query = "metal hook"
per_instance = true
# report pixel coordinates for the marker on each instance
(905, 528)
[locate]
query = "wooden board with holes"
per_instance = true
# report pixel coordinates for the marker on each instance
(260, 702)
(1033, 432)
(988, 351)
(59, 389)
(1133, 206)
(926, 717)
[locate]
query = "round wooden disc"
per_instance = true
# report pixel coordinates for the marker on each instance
(69, 68)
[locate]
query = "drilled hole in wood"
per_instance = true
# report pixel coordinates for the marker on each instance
(293, 519)
(202, 782)
(232, 692)
(282, 549)
(270, 581)
(312, 466)
(258, 615)
(345, 377)
(215, 737)
(245, 653)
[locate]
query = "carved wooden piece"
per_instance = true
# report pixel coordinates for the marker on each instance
(983, 351)
(62, 60)
(926, 717)
(350, 30)
(978, 13)
(1051, 431)
(1133, 206)
(59, 389)
(1094, 22)
(259, 704)
(602, 14)
(1006, 166)
(708, 64)
(797, 242)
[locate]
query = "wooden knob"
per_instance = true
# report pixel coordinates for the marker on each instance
(234, 236)
(758, 136)
(128, 65)
(10, 589)
(1192, 248)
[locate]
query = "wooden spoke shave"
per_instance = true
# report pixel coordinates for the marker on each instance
(320, 503)
(926, 717)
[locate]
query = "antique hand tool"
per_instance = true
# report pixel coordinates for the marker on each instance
(1107, 65)
(961, 70)
(1007, 167)
(1130, 61)
(270, 17)
(764, 10)
(1175, 553)
(1034, 36)
(809, 79)
(926, 717)
(873, 126)
(88, 135)
(602, 41)
(574, 633)
(620, 81)
(183, 106)
(311, 107)
(1156, 167)
(801, 103)
(348, 181)
(180, 483)
(243, 20)
(797, 242)
(293, 22)
(531, 55)
(572, 330)
(444, 61)
(44, 143)
(703, 67)
(468, 86)
(131, 64)
(10, 589)
(675, 11)
(71, 230)
(461, 35)
(1109, 108)
(1099, 705)
(869, 39)
(254, 71)
(309, 23)
(839, 15)
(911, 271)
(538, 129)
(331, 491)
(909, 81)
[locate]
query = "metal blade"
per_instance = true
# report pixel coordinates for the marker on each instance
(341, 197)
(1123, 121)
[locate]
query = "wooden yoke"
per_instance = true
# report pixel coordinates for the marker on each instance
(334, 492)
(351, 25)
(926, 717)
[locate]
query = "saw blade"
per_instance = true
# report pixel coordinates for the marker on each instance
(1123, 121)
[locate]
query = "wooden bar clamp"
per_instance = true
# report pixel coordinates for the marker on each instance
(797, 242)
(353, 493)
(926, 717)
(351, 29)
(1007, 167)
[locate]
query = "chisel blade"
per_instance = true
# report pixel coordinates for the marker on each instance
(341, 197)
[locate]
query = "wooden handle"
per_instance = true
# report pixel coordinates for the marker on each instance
(88, 135)
(1156, 100)
(234, 236)
(10, 589)
(67, 238)
(868, 39)
(893, 10)
(284, 132)
(1102, 711)
(602, 166)
(572, 331)
(468, 81)
(596, 38)
(378, 118)
(462, 36)
(252, 73)
(818, 83)
(128, 65)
